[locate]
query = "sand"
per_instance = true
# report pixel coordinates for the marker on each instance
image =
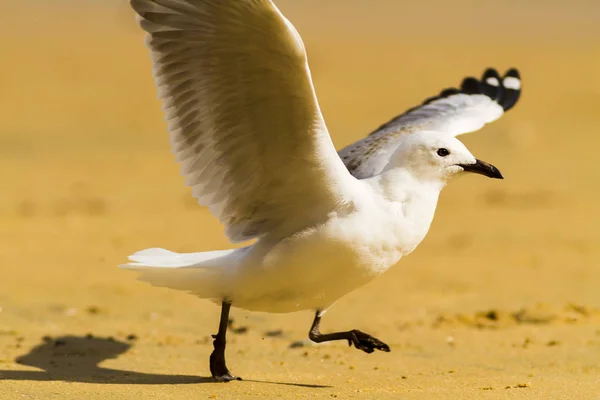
(501, 300)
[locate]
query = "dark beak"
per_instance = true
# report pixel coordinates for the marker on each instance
(483, 168)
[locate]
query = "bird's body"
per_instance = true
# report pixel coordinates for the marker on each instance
(315, 266)
(247, 129)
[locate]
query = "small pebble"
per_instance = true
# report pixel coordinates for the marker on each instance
(70, 312)
(93, 310)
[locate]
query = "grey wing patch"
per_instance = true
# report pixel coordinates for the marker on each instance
(369, 156)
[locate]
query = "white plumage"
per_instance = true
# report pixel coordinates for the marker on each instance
(246, 127)
(235, 83)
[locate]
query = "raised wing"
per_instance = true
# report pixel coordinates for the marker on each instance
(454, 111)
(242, 112)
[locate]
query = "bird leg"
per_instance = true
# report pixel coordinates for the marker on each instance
(360, 340)
(218, 368)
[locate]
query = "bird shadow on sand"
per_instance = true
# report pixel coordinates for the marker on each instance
(77, 359)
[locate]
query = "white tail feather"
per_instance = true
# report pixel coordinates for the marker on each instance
(198, 273)
(169, 259)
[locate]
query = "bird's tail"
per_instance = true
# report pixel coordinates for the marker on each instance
(202, 274)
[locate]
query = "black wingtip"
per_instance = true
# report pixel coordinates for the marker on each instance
(491, 85)
(512, 88)
(489, 75)
(513, 72)
(470, 85)
(449, 92)
(505, 90)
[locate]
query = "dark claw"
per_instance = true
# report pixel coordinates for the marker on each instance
(226, 378)
(367, 343)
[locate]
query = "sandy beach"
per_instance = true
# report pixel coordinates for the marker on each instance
(501, 300)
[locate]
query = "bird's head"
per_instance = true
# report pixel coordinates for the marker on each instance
(435, 156)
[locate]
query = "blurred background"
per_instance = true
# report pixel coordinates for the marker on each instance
(88, 178)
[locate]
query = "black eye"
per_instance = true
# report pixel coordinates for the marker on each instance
(443, 152)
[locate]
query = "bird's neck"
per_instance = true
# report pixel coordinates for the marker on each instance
(400, 185)
(408, 205)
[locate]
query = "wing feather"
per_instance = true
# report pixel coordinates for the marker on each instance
(453, 111)
(242, 113)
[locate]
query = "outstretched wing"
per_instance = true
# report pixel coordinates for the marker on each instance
(454, 111)
(242, 112)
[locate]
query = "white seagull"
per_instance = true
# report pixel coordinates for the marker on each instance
(246, 127)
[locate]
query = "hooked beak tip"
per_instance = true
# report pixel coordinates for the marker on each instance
(483, 168)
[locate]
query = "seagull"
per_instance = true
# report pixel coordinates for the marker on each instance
(246, 127)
